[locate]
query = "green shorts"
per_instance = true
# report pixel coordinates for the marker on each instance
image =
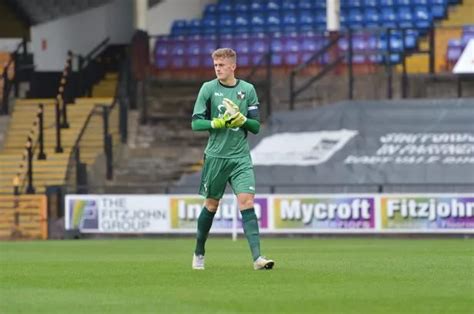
(216, 172)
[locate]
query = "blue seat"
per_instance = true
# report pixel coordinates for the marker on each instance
(162, 46)
(320, 18)
(224, 6)
(306, 4)
(289, 21)
(402, 3)
(423, 18)
(225, 23)
(405, 17)
(320, 4)
(370, 3)
(273, 5)
(387, 3)
(355, 18)
(353, 3)
(389, 18)
(194, 26)
(438, 11)
(257, 22)
(420, 2)
(241, 7)
(371, 17)
(256, 6)
(210, 8)
(179, 27)
(209, 23)
(306, 18)
(289, 5)
(242, 45)
(193, 47)
(273, 21)
(455, 48)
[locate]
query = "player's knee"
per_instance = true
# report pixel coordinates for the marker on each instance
(245, 203)
(211, 204)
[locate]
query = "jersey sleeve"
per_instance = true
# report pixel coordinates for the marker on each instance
(253, 103)
(202, 108)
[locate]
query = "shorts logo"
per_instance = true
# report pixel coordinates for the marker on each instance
(240, 95)
(251, 188)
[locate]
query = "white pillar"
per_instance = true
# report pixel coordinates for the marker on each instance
(140, 9)
(333, 10)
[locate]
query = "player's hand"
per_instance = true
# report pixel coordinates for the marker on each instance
(231, 108)
(237, 121)
(218, 123)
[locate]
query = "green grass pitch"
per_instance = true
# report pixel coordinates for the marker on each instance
(314, 275)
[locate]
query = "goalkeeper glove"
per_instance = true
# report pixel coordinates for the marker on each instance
(237, 121)
(218, 123)
(231, 108)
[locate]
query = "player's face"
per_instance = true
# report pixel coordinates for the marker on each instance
(224, 68)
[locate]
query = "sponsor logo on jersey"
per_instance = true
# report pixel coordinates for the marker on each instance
(240, 95)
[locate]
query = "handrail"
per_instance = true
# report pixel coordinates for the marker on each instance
(4, 106)
(295, 92)
(89, 56)
(19, 180)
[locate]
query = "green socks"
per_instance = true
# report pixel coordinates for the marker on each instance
(203, 227)
(250, 223)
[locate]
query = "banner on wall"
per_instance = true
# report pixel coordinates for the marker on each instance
(277, 213)
(323, 212)
(117, 213)
(427, 212)
(185, 210)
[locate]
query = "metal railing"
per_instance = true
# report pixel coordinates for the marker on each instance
(23, 179)
(10, 76)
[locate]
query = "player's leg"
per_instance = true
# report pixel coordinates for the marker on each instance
(242, 180)
(213, 182)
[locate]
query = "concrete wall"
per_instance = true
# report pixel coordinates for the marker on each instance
(80, 33)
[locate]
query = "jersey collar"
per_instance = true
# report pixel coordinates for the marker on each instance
(228, 86)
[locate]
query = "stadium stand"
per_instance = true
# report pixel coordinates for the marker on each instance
(294, 29)
(376, 34)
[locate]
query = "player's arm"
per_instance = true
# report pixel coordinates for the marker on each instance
(252, 123)
(201, 119)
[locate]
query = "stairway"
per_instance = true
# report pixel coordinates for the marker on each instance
(160, 152)
(52, 170)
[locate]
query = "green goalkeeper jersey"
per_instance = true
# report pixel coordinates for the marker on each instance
(226, 143)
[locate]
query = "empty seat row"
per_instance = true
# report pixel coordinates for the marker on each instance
(252, 6)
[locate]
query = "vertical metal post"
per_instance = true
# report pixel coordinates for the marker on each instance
(388, 63)
(64, 122)
(350, 69)
(107, 144)
(269, 84)
(58, 149)
(459, 85)
(16, 184)
(292, 90)
(16, 87)
(404, 68)
(41, 154)
(432, 50)
(29, 188)
(6, 90)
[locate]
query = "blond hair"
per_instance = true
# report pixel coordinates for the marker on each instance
(225, 53)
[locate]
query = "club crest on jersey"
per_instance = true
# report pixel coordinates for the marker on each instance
(240, 95)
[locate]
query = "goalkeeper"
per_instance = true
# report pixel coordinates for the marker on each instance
(227, 107)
